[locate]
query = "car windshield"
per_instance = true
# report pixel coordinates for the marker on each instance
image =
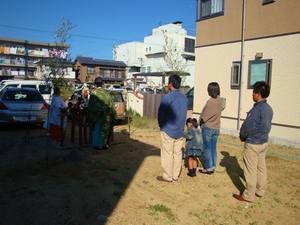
(116, 96)
(2, 85)
(22, 95)
(45, 89)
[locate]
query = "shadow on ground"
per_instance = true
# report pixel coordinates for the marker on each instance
(81, 191)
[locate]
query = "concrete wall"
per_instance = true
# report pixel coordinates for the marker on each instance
(272, 29)
(135, 102)
(214, 64)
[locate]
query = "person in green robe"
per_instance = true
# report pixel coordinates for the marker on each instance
(101, 116)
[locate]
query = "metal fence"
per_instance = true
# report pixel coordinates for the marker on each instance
(151, 104)
(152, 101)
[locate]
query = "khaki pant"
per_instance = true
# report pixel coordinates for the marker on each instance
(171, 156)
(255, 170)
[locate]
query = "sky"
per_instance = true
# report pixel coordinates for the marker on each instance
(99, 24)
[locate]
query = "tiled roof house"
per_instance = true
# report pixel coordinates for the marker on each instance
(111, 71)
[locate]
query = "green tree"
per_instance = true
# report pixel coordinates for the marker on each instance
(55, 71)
(173, 58)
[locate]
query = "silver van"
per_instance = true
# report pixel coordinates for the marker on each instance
(43, 87)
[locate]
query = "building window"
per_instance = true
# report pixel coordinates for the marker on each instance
(209, 8)
(267, 1)
(259, 70)
(90, 70)
(107, 73)
(189, 45)
(235, 75)
(112, 73)
(143, 69)
(149, 69)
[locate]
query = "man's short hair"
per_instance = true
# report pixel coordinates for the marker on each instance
(213, 89)
(56, 89)
(175, 80)
(263, 88)
(98, 81)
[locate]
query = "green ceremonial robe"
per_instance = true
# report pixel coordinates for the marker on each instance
(101, 106)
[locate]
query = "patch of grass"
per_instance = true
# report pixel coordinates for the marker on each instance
(277, 200)
(247, 216)
(66, 92)
(145, 181)
(216, 195)
(119, 194)
(292, 205)
(224, 171)
(144, 122)
(157, 209)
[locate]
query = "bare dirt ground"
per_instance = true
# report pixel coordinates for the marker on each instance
(118, 186)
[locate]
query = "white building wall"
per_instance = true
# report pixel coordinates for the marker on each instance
(214, 63)
(151, 52)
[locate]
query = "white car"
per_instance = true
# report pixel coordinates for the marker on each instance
(115, 87)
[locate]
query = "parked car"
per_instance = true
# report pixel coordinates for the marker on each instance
(22, 105)
(115, 87)
(120, 105)
(42, 86)
(190, 96)
(117, 96)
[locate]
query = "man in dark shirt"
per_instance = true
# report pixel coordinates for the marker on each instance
(171, 118)
(255, 132)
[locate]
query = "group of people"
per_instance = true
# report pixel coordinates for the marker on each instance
(101, 116)
(201, 135)
(254, 132)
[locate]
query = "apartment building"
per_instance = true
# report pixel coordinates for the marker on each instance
(87, 68)
(241, 42)
(148, 56)
(18, 57)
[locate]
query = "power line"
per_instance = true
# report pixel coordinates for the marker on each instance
(76, 35)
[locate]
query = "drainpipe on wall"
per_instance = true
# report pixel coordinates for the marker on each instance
(241, 68)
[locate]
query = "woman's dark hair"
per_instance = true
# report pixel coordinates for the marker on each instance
(192, 121)
(261, 87)
(175, 80)
(213, 89)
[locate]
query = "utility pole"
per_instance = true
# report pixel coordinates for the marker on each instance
(115, 50)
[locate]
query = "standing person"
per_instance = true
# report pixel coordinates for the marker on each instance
(255, 133)
(194, 145)
(210, 125)
(53, 121)
(171, 118)
(85, 93)
(101, 115)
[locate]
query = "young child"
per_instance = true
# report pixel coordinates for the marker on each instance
(194, 145)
